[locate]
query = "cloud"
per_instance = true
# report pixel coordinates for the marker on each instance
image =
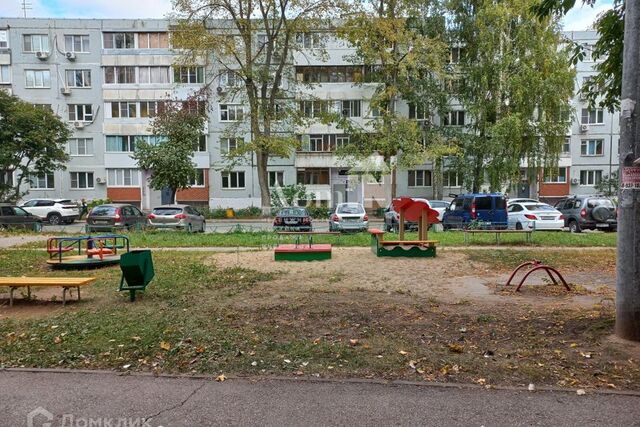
(88, 9)
(581, 18)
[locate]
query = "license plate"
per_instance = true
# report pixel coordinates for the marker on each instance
(290, 221)
(100, 221)
(602, 225)
(547, 218)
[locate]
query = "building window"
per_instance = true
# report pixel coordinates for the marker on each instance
(323, 142)
(81, 180)
(276, 179)
(230, 78)
(555, 176)
(590, 178)
(188, 75)
(81, 146)
(118, 40)
(417, 112)
(201, 145)
(454, 118)
(451, 179)
(592, 147)
(42, 182)
(588, 52)
(76, 43)
(350, 108)
(329, 74)
(4, 39)
(123, 178)
(43, 106)
(79, 78)
(198, 179)
(124, 110)
(153, 40)
(419, 178)
(313, 108)
(80, 113)
(150, 75)
(455, 55)
(40, 79)
(313, 176)
(5, 74)
(148, 108)
(232, 180)
(231, 112)
(35, 43)
(308, 40)
(592, 117)
(119, 75)
(230, 144)
(121, 143)
(454, 85)
(566, 146)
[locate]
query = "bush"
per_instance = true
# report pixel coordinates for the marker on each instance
(318, 212)
(97, 202)
(250, 212)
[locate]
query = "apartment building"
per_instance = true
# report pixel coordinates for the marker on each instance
(106, 78)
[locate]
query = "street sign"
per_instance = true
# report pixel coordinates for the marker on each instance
(630, 178)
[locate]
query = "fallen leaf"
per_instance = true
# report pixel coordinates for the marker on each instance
(136, 338)
(402, 352)
(412, 363)
(481, 381)
(220, 378)
(531, 387)
(126, 366)
(57, 340)
(580, 392)
(353, 342)
(455, 348)
(573, 345)
(165, 345)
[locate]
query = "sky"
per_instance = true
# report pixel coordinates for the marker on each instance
(579, 18)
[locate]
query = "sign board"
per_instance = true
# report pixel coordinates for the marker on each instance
(630, 178)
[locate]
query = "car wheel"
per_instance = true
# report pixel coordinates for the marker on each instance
(518, 226)
(54, 218)
(204, 227)
(574, 227)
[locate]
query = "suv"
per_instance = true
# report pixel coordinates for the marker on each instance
(488, 209)
(54, 211)
(588, 212)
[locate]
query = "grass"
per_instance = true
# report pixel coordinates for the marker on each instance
(198, 318)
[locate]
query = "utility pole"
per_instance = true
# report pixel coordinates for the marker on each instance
(628, 266)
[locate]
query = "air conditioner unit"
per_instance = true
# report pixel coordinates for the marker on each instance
(575, 180)
(101, 180)
(65, 91)
(71, 56)
(584, 128)
(42, 55)
(220, 90)
(78, 125)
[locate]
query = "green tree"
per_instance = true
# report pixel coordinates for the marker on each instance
(180, 124)
(609, 185)
(517, 87)
(32, 142)
(288, 195)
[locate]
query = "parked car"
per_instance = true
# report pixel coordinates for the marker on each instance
(349, 217)
(178, 217)
(292, 219)
(588, 212)
(115, 215)
(489, 210)
(392, 218)
(534, 216)
(54, 211)
(16, 217)
(522, 200)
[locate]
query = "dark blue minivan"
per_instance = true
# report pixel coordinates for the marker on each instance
(487, 210)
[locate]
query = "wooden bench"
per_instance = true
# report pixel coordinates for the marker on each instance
(527, 233)
(65, 282)
(378, 244)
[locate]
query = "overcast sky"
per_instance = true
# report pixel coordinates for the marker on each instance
(580, 18)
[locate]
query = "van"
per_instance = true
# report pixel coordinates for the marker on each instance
(488, 210)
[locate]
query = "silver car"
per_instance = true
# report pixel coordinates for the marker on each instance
(349, 217)
(178, 217)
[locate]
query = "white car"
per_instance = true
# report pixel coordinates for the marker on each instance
(55, 211)
(522, 200)
(440, 206)
(349, 217)
(534, 216)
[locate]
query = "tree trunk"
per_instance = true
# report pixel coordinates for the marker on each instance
(174, 192)
(437, 178)
(628, 265)
(394, 185)
(262, 160)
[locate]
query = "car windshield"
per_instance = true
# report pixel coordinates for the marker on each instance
(592, 203)
(539, 207)
(292, 212)
(103, 211)
(167, 211)
(350, 208)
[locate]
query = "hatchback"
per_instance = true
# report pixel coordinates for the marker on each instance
(115, 215)
(293, 219)
(16, 217)
(177, 217)
(349, 217)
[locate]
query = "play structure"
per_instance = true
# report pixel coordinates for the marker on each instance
(137, 271)
(86, 251)
(408, 210)
(300, 251)
(535, 266)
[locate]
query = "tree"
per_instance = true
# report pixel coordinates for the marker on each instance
(289, 195)
(609, 185)
(32, 142)
(180, 125)
(516, 91)
(400, 42)
(251, 42)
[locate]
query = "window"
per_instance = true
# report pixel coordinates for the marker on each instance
(201, 145)
(592, 117)
(42, 182)
(566, 146)
(419, 178)
(119, 75)
(588, 52)
(329, 74)
(35, 43)
(38, 79)
(455, 55)
(4, 39)
(149, 75)
(592, 147)
(231, 112)
(153, 40)
(313, 176)
(230, 79)
(5, 74)
(350, 108)
(232, 180)
(308, 40)
(118, 40)
(454, 118)
(323, 142)
(198, 179)
(79, 78)
(6, 178)
(451, 179)
(81, 180)
(80, 113)
(76, 43)
(313, 108)
(43, 106)
(555, 176)
(124, 109)
(590, 177)
(417, 112)
(81, 146)
(121, 143)
(454, 85)
(188, 75)
(148, 108)
(230, 144)
(276, 179)
(123, 178)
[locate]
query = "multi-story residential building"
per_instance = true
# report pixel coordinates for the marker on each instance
(106, 77)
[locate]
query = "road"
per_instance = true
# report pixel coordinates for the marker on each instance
(95, 398)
